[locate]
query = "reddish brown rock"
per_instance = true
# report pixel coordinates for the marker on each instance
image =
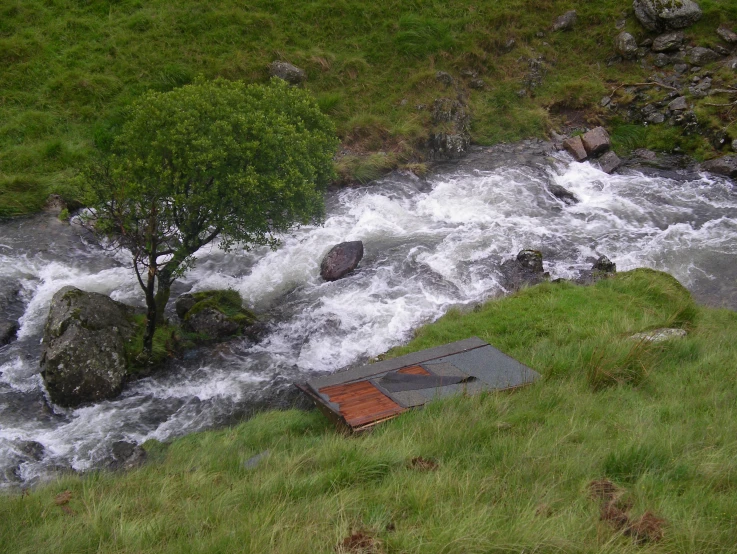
(596, 141)
(574, 146)
(342, 259)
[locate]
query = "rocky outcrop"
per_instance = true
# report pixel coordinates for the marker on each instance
(341, 260)
(602, 268)
(596, 141)
(626, 45)
(566, 21)
(525, 270)
(726, 165)
(666, 15)
(84, 355)
(127, 455)
(604, 265)
(214, 314)
(450, 137)
(287, 72)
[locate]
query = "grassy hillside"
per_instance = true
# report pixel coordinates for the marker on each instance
(505, 472)
(68, 68)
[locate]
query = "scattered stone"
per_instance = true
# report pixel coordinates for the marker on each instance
(469, 73)
(521, 93)
(620, 24)
(702, 56)
(605, 101)
(731, 64)
(8, 331)
(680, 68)
(445, 144)
(254, 461)
(721, 50)
(574, 146)
(701, 90)
(604, 265)
(563, 194)
(726, 165)
(647, 43)
(443, 77)
(609, 162)
(664, 15)
(54, 204)
(127, 455)
(596, 141)
(660, 335)
(668, 42)
(626, 45)
(477, 84)
(695, 69)
(727, 34)
(341, 260)
(661, 60)
(656, 118)
(566, 21)
(84, 356)
(32, 449)
(679, 104)
(287, 72)
(509, 45)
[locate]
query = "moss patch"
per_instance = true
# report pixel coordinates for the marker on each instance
(227, 302)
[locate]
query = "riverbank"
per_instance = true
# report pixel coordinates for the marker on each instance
(379, 70)
(496, 472)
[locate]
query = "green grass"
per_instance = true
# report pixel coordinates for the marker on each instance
(70, 68)
(513, 468)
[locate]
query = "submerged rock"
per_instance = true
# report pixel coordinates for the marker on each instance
(664, 15)
(563, 194)
(287, 72)
(8, 331)
(214, 314)
(84, 355)
(341, 260)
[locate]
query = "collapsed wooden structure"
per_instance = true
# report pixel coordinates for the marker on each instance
(362, 397)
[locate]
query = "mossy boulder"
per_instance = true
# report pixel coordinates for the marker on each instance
(85, 338)
(214, 314)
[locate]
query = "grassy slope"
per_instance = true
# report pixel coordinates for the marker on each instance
(513, 467)
(69, 67)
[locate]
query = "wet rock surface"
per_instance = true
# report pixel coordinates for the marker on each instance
(84, 356)
(214, 314)
(562, 194)
(341, 260)
(726, 165)
(596, 141)
(127, 455)
(524, 271)
(450, 136)
(609, 162)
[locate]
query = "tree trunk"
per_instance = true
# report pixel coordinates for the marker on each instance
(151, 311)
(162, 295)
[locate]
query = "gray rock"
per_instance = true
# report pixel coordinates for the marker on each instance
(660, 335)
(444, 77)
(661, 60)
(563, 194)
(727, 34)
(626, 45)
(668, 42)
(726, 165)
(656, 118)
(341, 260)
(605, 101)
(254, 461)
(679, 104)
(8, 330)
(604, 265)
(731, 64)
(721, 50)
(701, 89)
(83, 358)
(702, 56)
(212, 323)
(734, 145)
(127, 455)
(32, 449)
(566, 21)
(287, 72)
(525, 270)
(574, 146)
(54, 204)
(184, 303)
(664, 15)
(477, 84)
(609, 162)
(596, 141)
(680, 68)
(445, 144)
(509, 46)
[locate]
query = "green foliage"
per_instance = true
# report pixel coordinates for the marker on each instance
(167, 342)
(513, 468)
(419, 36)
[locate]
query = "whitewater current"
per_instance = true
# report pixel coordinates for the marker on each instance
(429, 245)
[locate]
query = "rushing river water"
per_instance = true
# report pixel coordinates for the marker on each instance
(429, 245)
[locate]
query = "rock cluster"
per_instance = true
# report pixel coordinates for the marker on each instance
(84, 352)
(592, 144)
(662, 15)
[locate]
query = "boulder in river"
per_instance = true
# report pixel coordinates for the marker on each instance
(8, 330)
(214, 314)
(574, 146)
(563, 194)
(604, 265)
(524, 271)
(609, 162)
(341, 260)
(626, 45)
(287, 72)
(596, 141)
(726, 165)
(127, 455)
(84, 353)
(666, 15)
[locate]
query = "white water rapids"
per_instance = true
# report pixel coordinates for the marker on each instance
(429, 245)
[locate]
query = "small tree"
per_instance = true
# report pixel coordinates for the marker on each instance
(213, 160)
